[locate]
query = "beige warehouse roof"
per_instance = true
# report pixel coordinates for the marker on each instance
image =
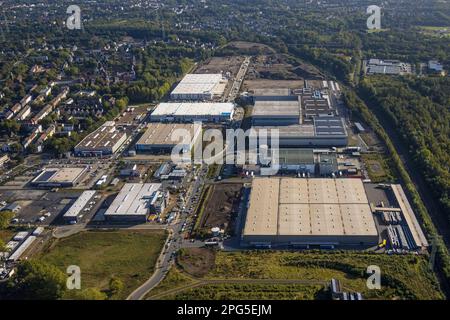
(291, 206)
(351, 191)
(300, 186)
(322, 191)
(161, 133)
(263, 215)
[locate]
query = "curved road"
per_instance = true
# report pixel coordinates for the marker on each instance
(173, 244)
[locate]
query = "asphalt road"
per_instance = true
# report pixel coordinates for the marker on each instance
(174, 242)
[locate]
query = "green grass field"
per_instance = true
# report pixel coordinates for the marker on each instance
(402, 276)
(126, 255)
(378, 168)
(173, 279)
(6, 235)
(252, 292)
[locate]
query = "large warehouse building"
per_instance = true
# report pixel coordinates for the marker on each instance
(323, 132)
(301, 120)
(136, 201)
(105, 140)
(199, 87)
(193, 111)
(75, 210)
(158, 137)
(277, 112)
(58, 177)
(305, 212)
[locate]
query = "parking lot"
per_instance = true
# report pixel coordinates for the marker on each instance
(39, 207)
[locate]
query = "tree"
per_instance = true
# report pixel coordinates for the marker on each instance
(121, 103)
(2, 246)
(37, 280)
(32, 148)
(9, 126)
(5, 218)
(16, 148)
(115, 286)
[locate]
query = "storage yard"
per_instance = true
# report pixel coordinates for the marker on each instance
(397, 220)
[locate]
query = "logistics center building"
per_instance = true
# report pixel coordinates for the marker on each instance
(136, 201)
(163, 137)
(59, 177)
(300, 120)
(304, 212)
(105, 140)
(199, 87)
(193, 111)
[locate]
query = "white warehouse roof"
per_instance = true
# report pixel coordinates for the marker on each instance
(182, 109)
(22, 248)
(79, 204)
(198, 83)
(133, 199)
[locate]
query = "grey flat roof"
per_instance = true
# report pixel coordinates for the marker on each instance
(295, 156)
(291, 131)
(272, 92)
(161, 133)
(276, 108)
(329, 126)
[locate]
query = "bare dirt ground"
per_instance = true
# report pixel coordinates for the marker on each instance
(228, 65)
(221, 64)
(278, 71)
(250, 48)
(250, 85)
(197, 261)
(223, 202)
(280, 67)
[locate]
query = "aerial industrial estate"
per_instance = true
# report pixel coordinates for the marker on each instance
(89, 177)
